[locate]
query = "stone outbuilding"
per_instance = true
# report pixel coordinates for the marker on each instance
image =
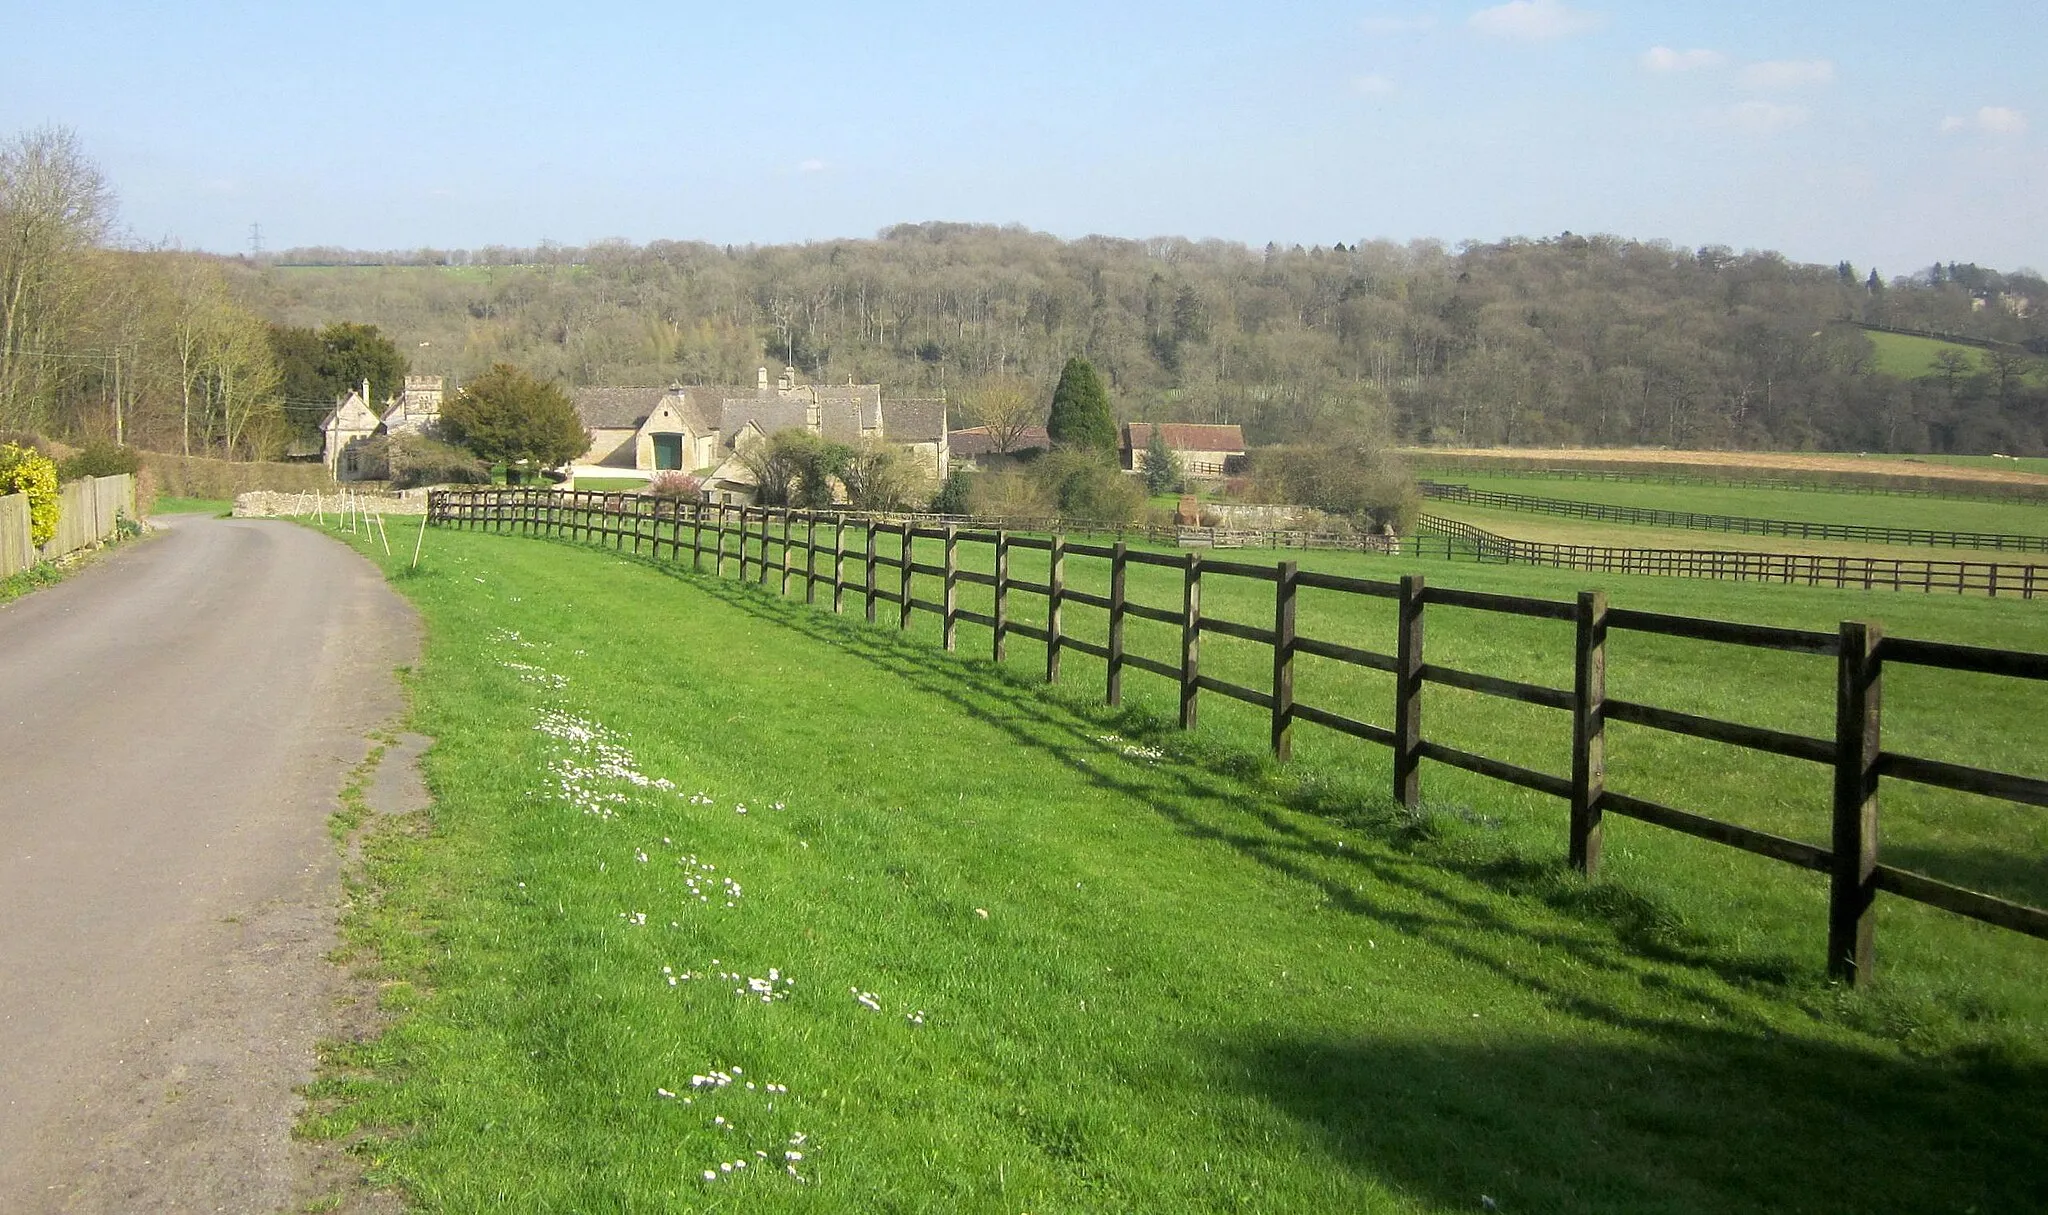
(1205, 449)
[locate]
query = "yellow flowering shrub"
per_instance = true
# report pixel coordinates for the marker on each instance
(24, 470)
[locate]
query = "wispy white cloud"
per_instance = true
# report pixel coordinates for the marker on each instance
(1665, 59)
(1532, 20)
(1779, 75)
(813, 165)
(1373, 85)
(1991, 120)
(1760, 117)
(1388, 27)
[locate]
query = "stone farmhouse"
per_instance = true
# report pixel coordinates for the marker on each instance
(1205, 450)
(415, 411)
(702, 430)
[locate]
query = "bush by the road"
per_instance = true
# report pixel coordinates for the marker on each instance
(24, 470)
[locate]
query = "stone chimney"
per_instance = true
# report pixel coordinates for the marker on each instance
(787, 380)
(761, 379)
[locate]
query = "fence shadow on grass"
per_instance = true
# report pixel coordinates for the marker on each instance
(1697, 1119)
(1699, 1104)
(1407, 891)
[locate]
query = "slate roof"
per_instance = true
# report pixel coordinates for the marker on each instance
(615, 408)
(976, 441)
(1185, 436)
(914, 420)
(770, 411)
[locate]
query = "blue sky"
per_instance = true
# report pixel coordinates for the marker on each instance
(1885, 133)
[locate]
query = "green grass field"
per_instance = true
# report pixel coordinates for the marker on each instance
(1910, 358)
(1553, 529)
(1812, 506)
(190, 506)
(1023, 955)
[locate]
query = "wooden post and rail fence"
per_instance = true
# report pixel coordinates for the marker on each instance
(1856, 754)
(1858, 533)
(88, 512)
(1994, 578)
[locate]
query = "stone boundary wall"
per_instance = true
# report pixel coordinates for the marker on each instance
(273, 504)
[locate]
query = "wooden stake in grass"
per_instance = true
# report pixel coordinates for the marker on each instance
(381, 533)
(417, 543)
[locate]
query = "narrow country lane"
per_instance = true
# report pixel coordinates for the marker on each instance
(174, 725)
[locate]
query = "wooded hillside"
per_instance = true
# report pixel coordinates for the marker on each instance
(1585, 340)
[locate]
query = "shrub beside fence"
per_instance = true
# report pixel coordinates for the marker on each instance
(764, 542)
(1993, 578)
(1690, 521)
(88, 511)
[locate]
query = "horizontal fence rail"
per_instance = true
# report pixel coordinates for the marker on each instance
(1693, 521)
(842, 556)
(1993, 578)
(1876, 484)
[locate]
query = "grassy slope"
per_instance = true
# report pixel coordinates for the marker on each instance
(1912, 358)
(1187, 995)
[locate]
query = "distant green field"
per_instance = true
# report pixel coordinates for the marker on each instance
(187, 506)
(2032, 464)
(1812, 506)
(1910, 358)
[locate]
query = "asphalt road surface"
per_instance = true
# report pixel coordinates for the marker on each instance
(175, 722)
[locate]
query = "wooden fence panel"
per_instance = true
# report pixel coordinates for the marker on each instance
(1856, 754)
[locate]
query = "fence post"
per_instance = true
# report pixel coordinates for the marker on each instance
(949, 620)
(1852, 893)
(1190, 639)
(870, 558)
(839, 565)
(1056, 586)
(810, 558)
(762, 578)
(1284, 593)
(787, 523)
(1589, 730)
(904, 547)
(1114, 694)
(1408, 696)
(1002, 612)
(697, 537)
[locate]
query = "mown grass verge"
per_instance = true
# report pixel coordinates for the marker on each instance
(1200, 983)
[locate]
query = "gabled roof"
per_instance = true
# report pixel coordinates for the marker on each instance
(615, 408)
(350, 413)
(1185, 436)
(914, 420)
(770, 410)
(843, 421)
